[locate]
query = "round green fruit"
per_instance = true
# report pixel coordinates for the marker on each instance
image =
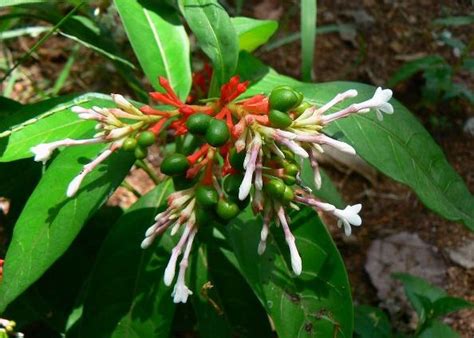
(140, 153)
(275, 188)
(284, 98)
(279, 119)
(289, 180)
(288, 195)
(203, 217)
(129, 144)
(217, 133)
(291, 169)
(197, 124)
(227, 210)
(146, 138)
(206, 196)
(237, 159)
(174, 164)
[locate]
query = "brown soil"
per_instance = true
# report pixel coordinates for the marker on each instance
(387, 34)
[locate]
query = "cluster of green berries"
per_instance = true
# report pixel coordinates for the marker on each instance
(139, 143)
(283, 100)
(215, 131)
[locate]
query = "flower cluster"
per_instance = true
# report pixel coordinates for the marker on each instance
(248, 152)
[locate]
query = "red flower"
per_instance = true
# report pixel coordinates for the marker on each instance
(232, 89)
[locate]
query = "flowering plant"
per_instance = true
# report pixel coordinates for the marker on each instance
(234, 164)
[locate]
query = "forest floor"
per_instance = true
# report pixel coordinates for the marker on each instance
(380, 37)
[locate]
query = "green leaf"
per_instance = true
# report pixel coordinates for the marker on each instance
(412, 67)
(46, 121)
(308, 37)
(253, 33)
(445, 305)
(50, 221)
(393, 145)
(371, 322)
(455, 20)
(126, 295)
(228, 308)
(50, 300)
(216, 36)
(438, 330)
(317, 303)
(159, 41)
(7, 3)
(417, 288)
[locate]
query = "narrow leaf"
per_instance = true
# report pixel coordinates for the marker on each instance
(159, 41)
(308, 37)
(216, 35)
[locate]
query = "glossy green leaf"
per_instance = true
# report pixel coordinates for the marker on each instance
(371, 322)
(318, 302)
(159, 41)
(253, 33)
(438, 330)
(50, 221)
(216, 36)
(126, 295)
(393, 145)
(46, 121)
(229, 308)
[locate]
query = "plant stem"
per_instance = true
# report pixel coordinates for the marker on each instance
(150, 172)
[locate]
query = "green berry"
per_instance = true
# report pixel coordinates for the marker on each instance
(289, 156)
(291, 169)
(284, 98)
(275, 188)
(217, 133)
(232, 184)
(289, 180)
(237, 159)
(288, 195)
(146, 138)
(279, 119)
(174, 164)
(129, 144)
(302, 107)
(226, 209)
(198, 123)
(206, 196)
(140, 153)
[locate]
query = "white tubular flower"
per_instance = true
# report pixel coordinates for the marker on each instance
(250, 165)
(339, 145)
(296, 263)
(349, 216)
(171, 267)
(181, 291)
(44, 151)
(379, 102)
(315, 166)
(262, 245)
(76, 182)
